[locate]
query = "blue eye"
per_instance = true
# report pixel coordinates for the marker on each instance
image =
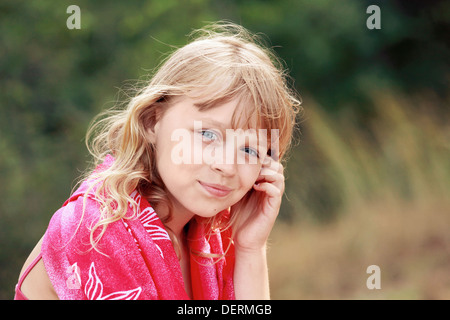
(208, 135)
(251, 152)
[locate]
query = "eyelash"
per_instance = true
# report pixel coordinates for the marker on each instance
(256, 154)
(204, 132)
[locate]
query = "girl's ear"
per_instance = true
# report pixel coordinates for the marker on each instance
(151, 119)
(152, 132)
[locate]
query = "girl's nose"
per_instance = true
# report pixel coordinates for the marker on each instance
(223, 162)
(224, 168)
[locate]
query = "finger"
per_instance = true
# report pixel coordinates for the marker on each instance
(270, 189)
(275, 178)
(272, 199)
(272, 164)
(267, 172)
(275, 168)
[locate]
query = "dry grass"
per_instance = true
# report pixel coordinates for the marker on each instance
(410, 244)
(392, 182)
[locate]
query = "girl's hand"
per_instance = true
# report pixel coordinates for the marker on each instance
(259, 208)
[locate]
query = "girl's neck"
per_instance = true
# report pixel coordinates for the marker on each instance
(178, 221)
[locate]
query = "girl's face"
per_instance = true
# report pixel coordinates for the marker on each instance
(205, 166)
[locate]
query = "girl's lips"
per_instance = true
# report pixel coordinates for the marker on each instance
(215, 189)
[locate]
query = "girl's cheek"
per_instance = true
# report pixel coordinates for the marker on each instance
(249, 174)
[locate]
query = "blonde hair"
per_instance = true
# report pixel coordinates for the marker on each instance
(223, 62)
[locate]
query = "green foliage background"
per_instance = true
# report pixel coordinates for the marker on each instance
(53, 81)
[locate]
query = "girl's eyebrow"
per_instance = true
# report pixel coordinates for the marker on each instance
(224, 128)
(215, 123)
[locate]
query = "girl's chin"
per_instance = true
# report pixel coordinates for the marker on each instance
(208, 213)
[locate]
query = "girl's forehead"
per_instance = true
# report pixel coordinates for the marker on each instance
(239, 110)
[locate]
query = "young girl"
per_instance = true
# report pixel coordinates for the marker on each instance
(187, 185)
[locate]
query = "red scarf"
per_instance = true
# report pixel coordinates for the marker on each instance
(136, 260)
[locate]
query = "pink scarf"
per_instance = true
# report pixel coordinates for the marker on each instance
(136, 259)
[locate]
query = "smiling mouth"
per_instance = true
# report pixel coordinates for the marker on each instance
(215, 190)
